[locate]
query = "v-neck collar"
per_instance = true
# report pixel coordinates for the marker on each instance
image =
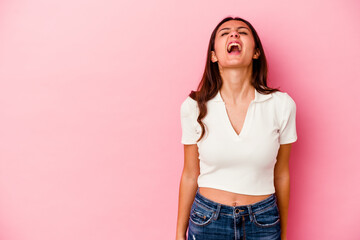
(259, 97)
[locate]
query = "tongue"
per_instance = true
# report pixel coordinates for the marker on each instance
(234, 49)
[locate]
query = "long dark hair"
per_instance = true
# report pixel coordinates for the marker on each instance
(211, 81)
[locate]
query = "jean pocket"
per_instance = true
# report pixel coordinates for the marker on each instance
(267, 217)
(200, 215)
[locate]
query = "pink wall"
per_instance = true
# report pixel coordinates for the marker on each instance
(91, 90)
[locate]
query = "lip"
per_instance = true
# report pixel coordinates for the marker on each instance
(233, 53)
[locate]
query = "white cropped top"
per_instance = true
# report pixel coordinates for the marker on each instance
(241, 163)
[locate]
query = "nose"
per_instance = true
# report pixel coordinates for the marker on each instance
(234, 34)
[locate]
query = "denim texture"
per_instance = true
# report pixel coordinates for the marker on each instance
(210, 220)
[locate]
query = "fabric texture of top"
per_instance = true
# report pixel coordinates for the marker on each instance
(240, 163)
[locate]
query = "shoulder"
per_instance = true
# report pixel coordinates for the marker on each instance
(188, 106)
(285, 102)
(283, 98)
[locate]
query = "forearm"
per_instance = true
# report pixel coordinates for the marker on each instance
(282, 188)
(188, 187)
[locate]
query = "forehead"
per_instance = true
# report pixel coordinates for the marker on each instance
(233, 24)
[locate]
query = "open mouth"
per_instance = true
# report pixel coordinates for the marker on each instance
(234, 48)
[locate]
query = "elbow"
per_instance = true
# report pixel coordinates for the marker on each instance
(190, 176)
(283, 177)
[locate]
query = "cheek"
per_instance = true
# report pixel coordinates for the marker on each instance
(219, 45)
(249, 42)
(220, 51)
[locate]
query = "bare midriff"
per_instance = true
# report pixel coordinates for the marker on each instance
(230, 198)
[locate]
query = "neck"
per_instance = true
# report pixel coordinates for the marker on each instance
(236, 87)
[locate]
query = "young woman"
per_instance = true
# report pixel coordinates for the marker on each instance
(237, 134)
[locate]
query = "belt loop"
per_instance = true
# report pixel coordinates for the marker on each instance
(250, 213)
(217, 212)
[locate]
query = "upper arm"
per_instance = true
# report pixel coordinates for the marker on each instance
(191, 161)
(282, 162)
(287, 129)
(189, 139)
(188, 117)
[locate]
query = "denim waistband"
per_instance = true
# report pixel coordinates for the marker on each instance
(240, 210)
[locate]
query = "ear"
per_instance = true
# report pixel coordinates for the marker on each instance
(256, 54)
(213, 57)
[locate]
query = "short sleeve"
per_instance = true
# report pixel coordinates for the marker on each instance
(188, 121)
(287, 129)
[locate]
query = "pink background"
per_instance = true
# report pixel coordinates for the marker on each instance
(90, 98)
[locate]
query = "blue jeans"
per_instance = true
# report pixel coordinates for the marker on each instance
(210, 220)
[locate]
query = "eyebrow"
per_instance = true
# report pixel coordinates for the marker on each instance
(229, 28)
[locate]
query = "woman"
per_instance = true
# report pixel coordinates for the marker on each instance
(237, 134)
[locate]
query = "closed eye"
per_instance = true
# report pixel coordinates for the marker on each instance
(239, 32)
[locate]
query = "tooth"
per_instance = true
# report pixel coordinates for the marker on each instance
(234, 44)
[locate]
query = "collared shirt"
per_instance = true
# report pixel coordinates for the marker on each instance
(240, 163)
